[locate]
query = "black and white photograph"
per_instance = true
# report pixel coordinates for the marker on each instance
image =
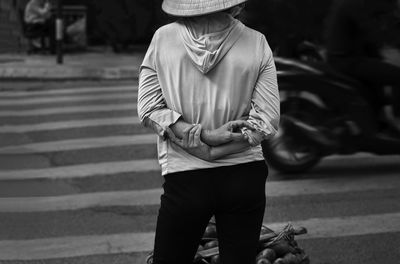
(199, 131)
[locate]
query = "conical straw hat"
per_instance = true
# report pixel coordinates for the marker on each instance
(187, 8)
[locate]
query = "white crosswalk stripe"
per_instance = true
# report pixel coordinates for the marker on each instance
(67, 110)
(65, 247)
(152, 196)
(66, 99)
(81, 171)
(70, 124)
(108, 168)
(79, 201)
(70, 91)
(76, 201)
(79, 144)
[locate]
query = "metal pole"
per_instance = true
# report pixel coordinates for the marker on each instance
(59, 32)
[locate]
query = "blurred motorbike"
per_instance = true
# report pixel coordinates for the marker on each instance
(323, 112)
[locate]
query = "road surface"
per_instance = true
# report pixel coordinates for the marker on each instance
(79, 183)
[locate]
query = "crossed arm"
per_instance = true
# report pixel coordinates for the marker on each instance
(208, 144)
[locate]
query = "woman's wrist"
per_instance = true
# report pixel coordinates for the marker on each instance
(228, 149)
(205, 136)
(212, 153)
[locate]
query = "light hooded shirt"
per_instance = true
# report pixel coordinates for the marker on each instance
(209, 71)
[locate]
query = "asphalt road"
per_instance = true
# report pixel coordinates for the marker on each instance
(79, 183)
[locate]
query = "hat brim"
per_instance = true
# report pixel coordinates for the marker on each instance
(190, 9)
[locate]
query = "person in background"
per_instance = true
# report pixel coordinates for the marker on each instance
(37, 17)
(208, 88)
(356, 31)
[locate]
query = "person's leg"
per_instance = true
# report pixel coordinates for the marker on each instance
(240, 211)
(386, 74)
(376, 74)
(369, 91)
(381, 74)
(51, 34)
(186, 207)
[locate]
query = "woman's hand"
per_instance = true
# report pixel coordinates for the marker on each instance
(191, 142)
(228, 132)
(253, 137)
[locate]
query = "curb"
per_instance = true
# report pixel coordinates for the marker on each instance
(96, 65)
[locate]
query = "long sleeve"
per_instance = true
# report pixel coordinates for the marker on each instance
(151, 103)
(265, 104)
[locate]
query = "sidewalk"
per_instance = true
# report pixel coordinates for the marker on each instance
(94, 64)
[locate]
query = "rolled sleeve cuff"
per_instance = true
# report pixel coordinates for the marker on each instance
(164, 118)
(265, 127)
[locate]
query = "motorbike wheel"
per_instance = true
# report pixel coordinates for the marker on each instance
(286, 151)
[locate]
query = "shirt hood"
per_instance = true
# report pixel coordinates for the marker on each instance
(208, 39)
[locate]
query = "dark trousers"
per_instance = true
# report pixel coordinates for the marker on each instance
(375, 73)
(46, 29)
(235, 195)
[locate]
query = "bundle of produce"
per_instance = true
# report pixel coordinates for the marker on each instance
(274, 247)
(281, 248)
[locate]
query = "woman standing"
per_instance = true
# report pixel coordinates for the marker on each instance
(208, 88)
(37, 17)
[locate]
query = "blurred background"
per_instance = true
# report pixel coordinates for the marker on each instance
(134, 22)
(79, 177)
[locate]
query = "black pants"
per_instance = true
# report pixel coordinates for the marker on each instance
(46, 29)
(235, 195)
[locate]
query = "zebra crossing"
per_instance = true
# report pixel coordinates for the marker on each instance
(139, 242)
(98, 193)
